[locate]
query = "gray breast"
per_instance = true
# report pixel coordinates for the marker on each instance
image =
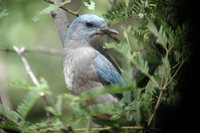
(79, 71)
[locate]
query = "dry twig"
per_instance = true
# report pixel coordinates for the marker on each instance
(67, 10)
(50, 51)
(30, 73)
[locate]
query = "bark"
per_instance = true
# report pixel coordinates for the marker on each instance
(61, 21)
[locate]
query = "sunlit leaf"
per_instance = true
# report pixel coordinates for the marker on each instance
(151, 26)
(90, 4)
(22, 84)
(3, 13)
(141, 64)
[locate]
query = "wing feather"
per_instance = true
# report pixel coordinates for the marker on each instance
(106, 71)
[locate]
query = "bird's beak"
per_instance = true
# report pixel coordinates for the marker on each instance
(109, 30)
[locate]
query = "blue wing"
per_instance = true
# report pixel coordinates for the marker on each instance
(106, 71)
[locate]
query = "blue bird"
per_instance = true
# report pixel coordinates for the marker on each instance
(84, 66)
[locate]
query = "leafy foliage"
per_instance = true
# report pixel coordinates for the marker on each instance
(90, 4)
(151, 47)
(3, 13)
(10, 119)
(31, 99)
(16, 120)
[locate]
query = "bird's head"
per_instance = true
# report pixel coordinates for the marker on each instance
(88, 28)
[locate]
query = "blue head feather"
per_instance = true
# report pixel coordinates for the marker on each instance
(84, 27)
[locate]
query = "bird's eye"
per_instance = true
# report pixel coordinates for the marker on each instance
(89, 24)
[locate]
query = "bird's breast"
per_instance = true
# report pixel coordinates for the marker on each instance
(78, 70)
(68, 72)
(80, 73)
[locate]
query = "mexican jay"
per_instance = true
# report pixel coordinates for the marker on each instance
(84, 66)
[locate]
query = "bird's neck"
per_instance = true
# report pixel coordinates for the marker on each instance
(76, 42)
(95, 42)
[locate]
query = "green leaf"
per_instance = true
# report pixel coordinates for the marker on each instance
(105, 108)
(71, 98)
(45, 126)
(127, 2)
(31, 98)
(163, 72)
(21, 84)
(141, 64)
(9, 125)
(147, 97)
(162, 38)
(89, 94)
(138, 115)
(49, 9)
(161, 34)
(57, 109)
(121, 54)
(58, 105)
(152, 28)
(10, 119)
(90, 4)
(28, 102)
(3, 13)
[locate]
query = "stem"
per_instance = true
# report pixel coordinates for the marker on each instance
(67, 10)
(157, 104)
(30, 73)
(50, 51)
(99, 129)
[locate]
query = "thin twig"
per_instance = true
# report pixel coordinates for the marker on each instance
(179, 67)
(80, 8)
(155, 109)
(30, 73)
(108, 128)
(157, 103)
(61, 21)
(67, 10)
(41, 50)
(98, 129)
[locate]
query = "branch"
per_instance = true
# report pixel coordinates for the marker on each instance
(108, 128)
(157, 104)
(155, 109)
(62, 7)
(61, 19)
(131, 128)
(41, 50)
(30, 73)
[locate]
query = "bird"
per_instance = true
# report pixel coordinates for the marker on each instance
(85, 66)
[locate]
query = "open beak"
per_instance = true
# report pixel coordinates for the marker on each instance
(109, 30)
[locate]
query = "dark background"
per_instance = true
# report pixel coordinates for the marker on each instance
(184, 117)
